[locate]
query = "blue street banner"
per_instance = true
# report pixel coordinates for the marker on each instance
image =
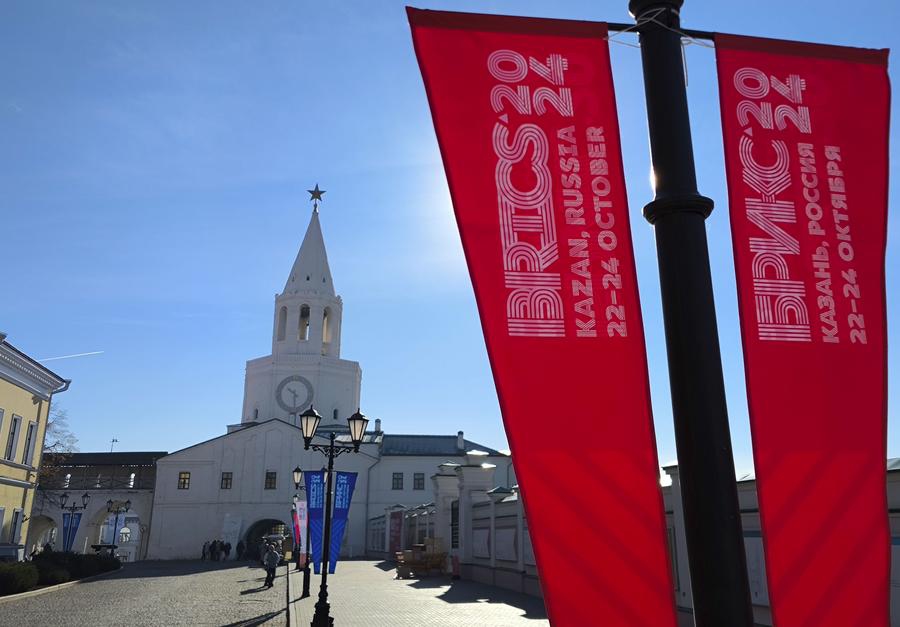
(315, 502)
(344, 482)
(70, 528)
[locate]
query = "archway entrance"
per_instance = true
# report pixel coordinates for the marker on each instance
(41, 532)
(267, 530)
(128, 536)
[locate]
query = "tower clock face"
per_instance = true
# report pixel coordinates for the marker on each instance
(294, 393)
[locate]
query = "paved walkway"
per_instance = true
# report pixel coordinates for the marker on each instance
(366, 593)
(159, 594)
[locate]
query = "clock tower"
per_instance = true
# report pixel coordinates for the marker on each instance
(305, 366)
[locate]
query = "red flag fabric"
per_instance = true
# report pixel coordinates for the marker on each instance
(806, 153)
(525, 117)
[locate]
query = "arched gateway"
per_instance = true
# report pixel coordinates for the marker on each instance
(267, 529)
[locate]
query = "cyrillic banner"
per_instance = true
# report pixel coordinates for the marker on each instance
(298, 528)
(344, 482)
(315, 503)
(525, 117)
(806, 151)
(300, 522)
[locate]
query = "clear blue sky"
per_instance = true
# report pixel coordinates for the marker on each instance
(153, 169)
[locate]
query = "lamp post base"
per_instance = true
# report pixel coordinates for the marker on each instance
(321, 618)
(305, 582)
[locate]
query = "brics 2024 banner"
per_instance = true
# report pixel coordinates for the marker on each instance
(525, 116)
(806, 146)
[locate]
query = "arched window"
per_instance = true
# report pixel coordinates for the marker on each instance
(131, 481)
(326, 326)
(303, 329)
(282, 323)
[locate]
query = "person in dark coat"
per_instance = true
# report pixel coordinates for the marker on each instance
(271, 560)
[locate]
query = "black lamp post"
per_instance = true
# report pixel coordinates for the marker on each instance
(309, 422)
(74, 507)
(298, 476)
(116, 509)
(678, 213)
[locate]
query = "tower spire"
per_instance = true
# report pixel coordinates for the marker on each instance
(315, 195)
(310, 272)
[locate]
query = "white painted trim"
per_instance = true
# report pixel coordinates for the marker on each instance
(21, 370)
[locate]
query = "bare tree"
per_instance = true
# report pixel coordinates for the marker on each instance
(58, 438)
(59, 442)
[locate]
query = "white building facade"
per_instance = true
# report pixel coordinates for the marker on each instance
(238, 486)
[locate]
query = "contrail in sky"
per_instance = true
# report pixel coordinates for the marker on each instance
(70, 356)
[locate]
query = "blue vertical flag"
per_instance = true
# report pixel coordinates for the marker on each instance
(315, 501)
(70, 528)
(344, 482)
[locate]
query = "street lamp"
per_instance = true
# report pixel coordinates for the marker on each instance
(115, 508)
(309, 422)
(64, 498)
(74, 507)
(298, 477)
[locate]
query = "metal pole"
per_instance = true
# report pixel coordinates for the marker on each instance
(721, 591)
(115, 526)
(306, 566)
(321, 617)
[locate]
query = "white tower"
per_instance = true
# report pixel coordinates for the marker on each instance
(305, 366)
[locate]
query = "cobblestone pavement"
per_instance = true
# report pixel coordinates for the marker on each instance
(157, 594)
(365, 593)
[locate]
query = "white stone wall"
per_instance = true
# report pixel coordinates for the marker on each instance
(381, 494)
(184, 519)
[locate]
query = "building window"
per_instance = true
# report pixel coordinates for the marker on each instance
(326, 326)
(13, 438)
(131, 480)
(28, 453)
(418, 481)
(303, 325)
(68, 480)
(226, 481)
(270, 480)
(98, 482)
(397, 481)
(184, 481)
(282, 323)
(15, 526)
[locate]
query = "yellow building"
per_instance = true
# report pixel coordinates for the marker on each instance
(26, 389)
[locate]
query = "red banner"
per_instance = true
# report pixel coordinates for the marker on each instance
(806, 151)
(525, 117)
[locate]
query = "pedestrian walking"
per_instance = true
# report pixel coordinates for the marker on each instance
(240, 550)
(227, 550)
(270, 561)
(205, 553)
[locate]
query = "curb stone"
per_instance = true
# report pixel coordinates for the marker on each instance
(59, 586)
